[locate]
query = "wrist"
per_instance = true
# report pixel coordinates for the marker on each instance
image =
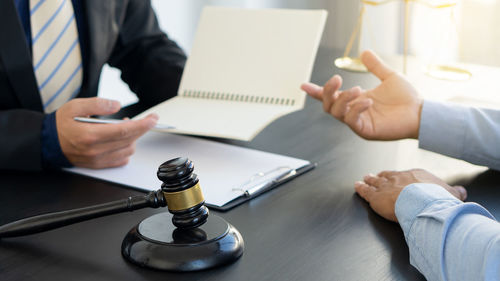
(52, 155)
(416, 197)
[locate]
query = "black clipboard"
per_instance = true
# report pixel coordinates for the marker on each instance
(244, 198)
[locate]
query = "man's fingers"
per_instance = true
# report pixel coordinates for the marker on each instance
(462, 191)
(387, 174)
(93, 106)
(313, 90)
(107, 147)
(364, 190)
(103, 133)
(330, 92)
(374, 180)
(119, 157)
(114, 158)
(375, 65)
(340, 105)
(352, 117)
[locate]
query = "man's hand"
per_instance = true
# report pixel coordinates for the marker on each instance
(97, 146)
(390, 111)
(382, 190)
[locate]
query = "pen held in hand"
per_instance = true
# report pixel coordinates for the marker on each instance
(117, 121)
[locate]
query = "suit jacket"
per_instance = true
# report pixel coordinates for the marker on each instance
(123, 33)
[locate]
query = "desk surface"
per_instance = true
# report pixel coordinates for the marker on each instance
(312, 228)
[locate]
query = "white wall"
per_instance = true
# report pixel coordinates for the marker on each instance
(479, 37)
(381, 28)
(180, 18)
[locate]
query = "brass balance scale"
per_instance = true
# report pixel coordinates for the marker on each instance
(439, 71)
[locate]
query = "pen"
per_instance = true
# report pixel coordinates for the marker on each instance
(263, 186)
(116, 121)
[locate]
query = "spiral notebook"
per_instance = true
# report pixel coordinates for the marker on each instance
(244, 71)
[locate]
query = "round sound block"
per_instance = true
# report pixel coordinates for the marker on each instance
(157, 243)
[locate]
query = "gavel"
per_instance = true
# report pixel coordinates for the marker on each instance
(192, 241)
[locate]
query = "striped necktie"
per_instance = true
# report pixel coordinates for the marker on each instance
(57, 60)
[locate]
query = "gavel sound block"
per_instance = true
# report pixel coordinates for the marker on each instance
(185, 239)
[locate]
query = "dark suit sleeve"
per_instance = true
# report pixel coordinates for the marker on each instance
(20, 139)
(150, 62)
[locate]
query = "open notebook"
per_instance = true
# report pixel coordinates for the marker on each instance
(244, 71)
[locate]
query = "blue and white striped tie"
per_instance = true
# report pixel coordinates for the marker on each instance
(57, 57)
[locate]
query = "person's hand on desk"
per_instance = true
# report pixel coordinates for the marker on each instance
(388, 112)
(382, 191)
(98, 146)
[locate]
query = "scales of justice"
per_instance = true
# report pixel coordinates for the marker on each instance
(439, 71)
(186, 238)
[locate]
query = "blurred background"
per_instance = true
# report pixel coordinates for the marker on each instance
(465, 33)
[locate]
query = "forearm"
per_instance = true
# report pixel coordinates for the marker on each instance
(20, 139)
(448, 239)
(470, 134)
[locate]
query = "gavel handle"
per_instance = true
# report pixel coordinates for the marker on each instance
(51, 221)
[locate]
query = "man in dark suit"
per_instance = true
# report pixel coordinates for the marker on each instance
(51, 56)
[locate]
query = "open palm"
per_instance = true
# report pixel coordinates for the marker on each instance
(388, 112)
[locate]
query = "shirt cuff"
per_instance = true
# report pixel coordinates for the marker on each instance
(442, 128)
(52, 155)
(414, 198)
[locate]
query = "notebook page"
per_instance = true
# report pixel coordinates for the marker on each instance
(259, 53)
(222, 169)
(227, 119)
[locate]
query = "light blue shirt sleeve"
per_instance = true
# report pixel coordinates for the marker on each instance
(466, 133)
(448, 239)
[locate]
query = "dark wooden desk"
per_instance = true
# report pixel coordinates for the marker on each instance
(313, 228)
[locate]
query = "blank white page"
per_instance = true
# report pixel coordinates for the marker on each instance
(245, 69)
(217, 119)
(262, 53)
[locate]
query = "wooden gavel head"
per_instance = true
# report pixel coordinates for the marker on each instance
(182, 192)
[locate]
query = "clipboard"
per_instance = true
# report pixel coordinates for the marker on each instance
(268, 185)
(225, 171)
